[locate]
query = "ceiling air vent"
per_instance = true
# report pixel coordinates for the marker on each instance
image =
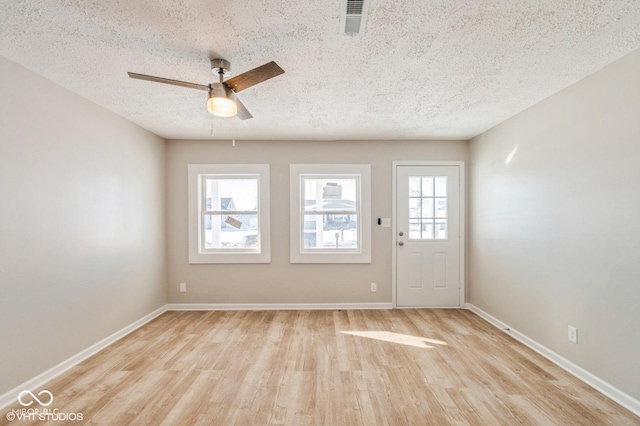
(354, 7)
(353, 16)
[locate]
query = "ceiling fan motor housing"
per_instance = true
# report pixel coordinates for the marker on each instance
(220, 67)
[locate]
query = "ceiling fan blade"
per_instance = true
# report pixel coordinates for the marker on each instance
(254, 76)
(168, 81)
(243, 112)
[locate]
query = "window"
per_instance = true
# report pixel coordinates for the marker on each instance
(428, 208)
(229, 213)
(330, 213)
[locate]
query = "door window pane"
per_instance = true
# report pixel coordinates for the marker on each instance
(415, 187)
(415, 208)
(427, 230)
(441, 208)
(441, 230)
(427, 186)
(441, 186)
(414, 230)
(427, 207)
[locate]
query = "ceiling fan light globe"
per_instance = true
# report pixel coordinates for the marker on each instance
(221, 101)
(222, 107)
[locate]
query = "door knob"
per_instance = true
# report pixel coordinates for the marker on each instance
(401, 243)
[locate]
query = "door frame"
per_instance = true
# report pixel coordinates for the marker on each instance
(394, 238)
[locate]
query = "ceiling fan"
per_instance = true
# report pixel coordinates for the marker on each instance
(222, 95)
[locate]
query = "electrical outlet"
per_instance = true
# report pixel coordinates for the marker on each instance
(573, 334)
(374, 287)
(183, 287)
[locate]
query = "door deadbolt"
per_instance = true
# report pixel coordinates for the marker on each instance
(401, 234)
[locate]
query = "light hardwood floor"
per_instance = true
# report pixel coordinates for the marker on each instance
(378, 367)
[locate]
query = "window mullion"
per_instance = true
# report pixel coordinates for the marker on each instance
(333, 212)
(231, 212)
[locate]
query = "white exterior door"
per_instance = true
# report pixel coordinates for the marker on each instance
(427, 240)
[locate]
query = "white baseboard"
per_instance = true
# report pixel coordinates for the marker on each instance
(273, 306)
(11, 397)
(598, 384)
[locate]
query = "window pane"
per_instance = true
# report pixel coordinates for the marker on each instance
(427, 186)
(427, 229)
(414, 186)
(330, 231)
(231, 194)
(427, 207)
(441, 229)
(414, 231)
(414, 208)
(231, 231)
(330, 194)
(441, 207)
(441, 186)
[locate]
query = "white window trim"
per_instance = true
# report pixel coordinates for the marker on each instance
(194, 173)
(297, 252)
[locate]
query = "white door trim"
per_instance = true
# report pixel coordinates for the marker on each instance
(394, 238)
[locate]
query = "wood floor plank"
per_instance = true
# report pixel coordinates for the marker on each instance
(349, 367)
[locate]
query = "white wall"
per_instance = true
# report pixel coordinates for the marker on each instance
(555, 232)
(82, 250)
(281, 281)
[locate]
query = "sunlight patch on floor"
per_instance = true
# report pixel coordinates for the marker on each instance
(403, 339)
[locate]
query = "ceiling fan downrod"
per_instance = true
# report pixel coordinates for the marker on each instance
(221, 67)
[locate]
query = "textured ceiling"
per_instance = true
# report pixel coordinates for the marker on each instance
(436, 69)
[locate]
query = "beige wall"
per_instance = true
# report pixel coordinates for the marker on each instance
(281, 281)
(555, 233)
(82, 251)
